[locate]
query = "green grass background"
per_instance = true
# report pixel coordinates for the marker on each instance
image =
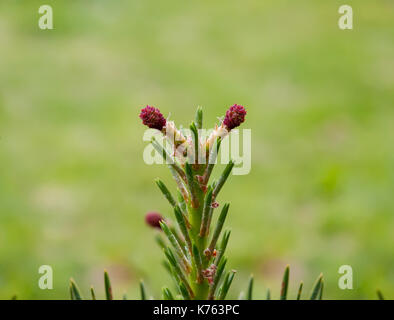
(74, 188)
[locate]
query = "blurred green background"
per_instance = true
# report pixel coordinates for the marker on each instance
(74, 188)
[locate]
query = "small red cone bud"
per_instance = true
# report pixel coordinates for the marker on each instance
(235, 115)
(152, 118)
(153, 219)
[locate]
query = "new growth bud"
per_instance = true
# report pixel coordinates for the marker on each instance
(153, 219)
(153, 118)
(235, 115)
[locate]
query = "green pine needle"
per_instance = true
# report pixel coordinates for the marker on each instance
(212, 159)
(92, 293)
(74, 291)
(226, 285)
(198, 263)
(168, 159)
(219, 226)
(196, 141)
(223, 246)
(108, 288)
(206, 212)
(163, 188)
(176, 245)
(184, 291)
(285, 284)
(250, 288)
(321, 290)
(300, 290)
(317, 287)
(177, 271)
(191, 184)
(199, 118)
(223, 178)
(182, 223)
(268, 294)
(380, 295)
(167, 295)
(216, 280)
(182, 203)
(142, 290)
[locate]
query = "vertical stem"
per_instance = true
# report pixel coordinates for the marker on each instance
(195, 216)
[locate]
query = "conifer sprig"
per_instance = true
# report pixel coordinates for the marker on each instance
(198, 262)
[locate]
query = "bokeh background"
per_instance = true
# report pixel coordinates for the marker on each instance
(74, 188)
